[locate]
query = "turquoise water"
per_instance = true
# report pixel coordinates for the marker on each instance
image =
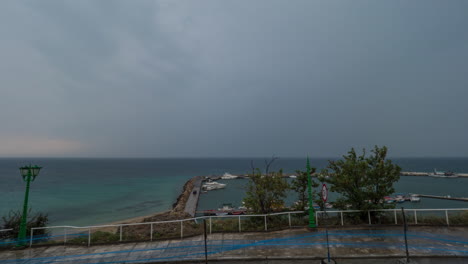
(95, 191)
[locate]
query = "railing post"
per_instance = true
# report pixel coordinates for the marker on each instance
(342, 222)
(31, 238)
(210, 225)
(151, 234)
(368, 215)
(64, 235)
(120, 233)
(316, 218)
(415, 217)
(89, 236)
(394, 210)
(239, 224)
(181, 229)
(447, 218)
(289, 218)
(266, 228)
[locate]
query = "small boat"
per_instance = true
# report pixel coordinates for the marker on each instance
(389, 199)
(400, 200)
(209, 212)
(227, 207)
(315, 206)
(227, 176)
(447, 174)
(237, 212)
(212, 185)
(293, 176)
(415, 199)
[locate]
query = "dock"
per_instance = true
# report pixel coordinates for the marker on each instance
(416, 173)
(192, 201)
(442, 197)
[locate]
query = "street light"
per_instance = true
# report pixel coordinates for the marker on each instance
(29, 173)
(312, 223)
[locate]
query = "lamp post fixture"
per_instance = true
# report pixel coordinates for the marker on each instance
(29, 173)
(312, 223)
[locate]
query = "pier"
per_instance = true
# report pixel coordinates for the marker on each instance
(443, 197)
(416, 173)
(194, 195)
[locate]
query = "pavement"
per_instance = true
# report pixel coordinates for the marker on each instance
(350, 245)
(192, 201)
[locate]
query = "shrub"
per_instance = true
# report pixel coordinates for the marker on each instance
(13, 221)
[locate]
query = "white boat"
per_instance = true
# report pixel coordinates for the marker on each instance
(293, 176)
(228, 176)
(212, 185)
(415, 198)
(447, 174)
(226, 207)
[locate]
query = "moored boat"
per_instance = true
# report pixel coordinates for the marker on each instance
(415, 198)
(389, 199)
(228, 176)
(212, 185)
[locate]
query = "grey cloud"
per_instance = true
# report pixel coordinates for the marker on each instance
(236, 78)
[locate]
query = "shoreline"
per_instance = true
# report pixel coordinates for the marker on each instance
(177, 211)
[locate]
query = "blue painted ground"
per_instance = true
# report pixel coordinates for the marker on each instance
(374, 241)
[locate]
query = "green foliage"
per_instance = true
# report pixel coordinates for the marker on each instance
(362, 181)
(300, 184)
(13, 220)
(265, 193)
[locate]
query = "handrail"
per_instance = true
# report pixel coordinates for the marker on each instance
(395, 209)
(168, 221)
(252, 215)
(181, 221)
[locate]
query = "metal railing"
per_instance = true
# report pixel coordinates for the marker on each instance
(395, 212)
(229, 223)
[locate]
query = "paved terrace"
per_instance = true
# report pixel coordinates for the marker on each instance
(288, 246)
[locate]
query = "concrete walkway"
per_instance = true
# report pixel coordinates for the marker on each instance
(288, 246)
(191, 205)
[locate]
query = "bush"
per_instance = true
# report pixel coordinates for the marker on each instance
(13, 221)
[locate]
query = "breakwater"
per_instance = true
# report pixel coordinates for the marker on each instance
(183, 208)
(446, 197)
(188, 199)
(403, 173)
(416, 173)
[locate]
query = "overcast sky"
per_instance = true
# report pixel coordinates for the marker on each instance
(233, 78)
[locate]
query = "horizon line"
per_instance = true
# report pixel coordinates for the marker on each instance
(233, 157)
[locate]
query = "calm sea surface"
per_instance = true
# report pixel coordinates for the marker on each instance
(95, 191)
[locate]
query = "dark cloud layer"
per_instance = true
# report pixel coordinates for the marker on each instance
(232, 78)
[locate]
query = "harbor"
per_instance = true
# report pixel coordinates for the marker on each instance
(410, 192)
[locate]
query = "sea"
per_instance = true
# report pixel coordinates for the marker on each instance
(82, 191)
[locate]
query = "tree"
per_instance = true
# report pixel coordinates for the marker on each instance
(13, 220)
(362, 181)
(299, 185)
(265, 193)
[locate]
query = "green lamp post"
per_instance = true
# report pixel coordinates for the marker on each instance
(312, 223)
(29, 173)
